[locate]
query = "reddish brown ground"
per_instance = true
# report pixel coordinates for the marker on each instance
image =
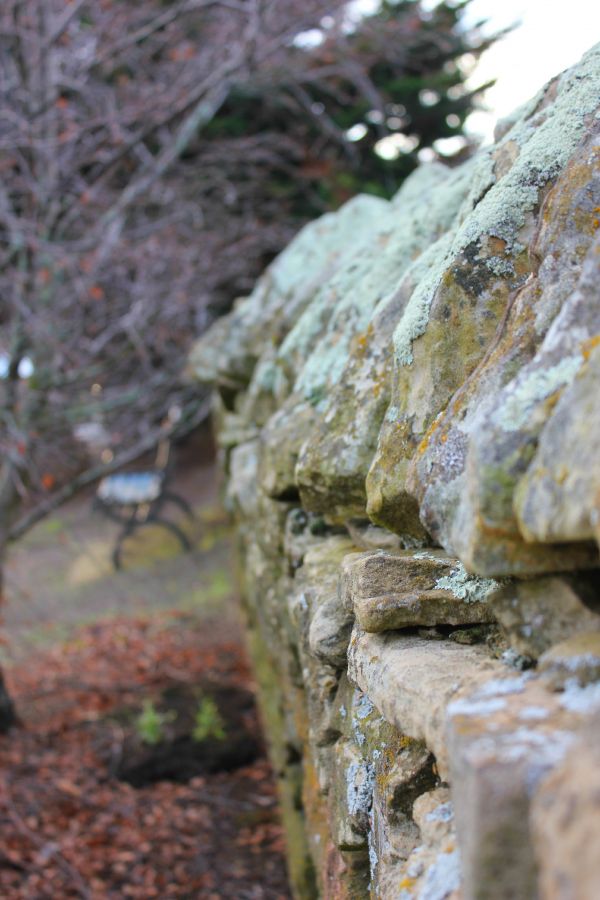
(68, 828)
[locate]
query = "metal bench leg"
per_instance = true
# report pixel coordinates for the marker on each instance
(174, 529)
(180, 502)
(116, 554)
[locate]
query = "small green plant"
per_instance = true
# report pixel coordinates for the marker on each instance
(208, 721)
(150, 723)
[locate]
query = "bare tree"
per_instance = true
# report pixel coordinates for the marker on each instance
(128, 200)
(99, 277)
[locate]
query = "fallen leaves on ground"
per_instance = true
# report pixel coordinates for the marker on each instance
(69, 828)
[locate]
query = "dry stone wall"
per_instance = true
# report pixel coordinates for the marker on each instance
(408, 415)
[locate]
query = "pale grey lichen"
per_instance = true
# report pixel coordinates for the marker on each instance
(498, 207)
(441, 813)
(540, 751)
(416, 314)
(578, 661)
(501, 687)
(360, 779)
(531, 387)
(373, 859)
(442, 877)
(579, 699)
(364, 707)
(467, 587)
(536, 713)
(467, 706)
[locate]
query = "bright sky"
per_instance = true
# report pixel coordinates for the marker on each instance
(553, 35)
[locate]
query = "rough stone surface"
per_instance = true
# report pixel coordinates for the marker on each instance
(537, 613)
(564, 823)
(577, 659)
(559, 496)
(467, 469)
(407, 412)
(504, 739)
(411, 681)
(403, 590)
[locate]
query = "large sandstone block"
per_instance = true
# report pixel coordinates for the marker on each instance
(565, 814)
(405, 589)
(505, 739)
(411, 681)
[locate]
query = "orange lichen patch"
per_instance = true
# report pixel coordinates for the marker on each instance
(497, 245)
(407, 883)
(423, 445)
(551, 401)
(588, 346)
(361, 341)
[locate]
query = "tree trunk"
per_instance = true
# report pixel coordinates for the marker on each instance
(8, 716)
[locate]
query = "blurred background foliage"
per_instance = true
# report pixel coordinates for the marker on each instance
(361, 101)
(154, 157)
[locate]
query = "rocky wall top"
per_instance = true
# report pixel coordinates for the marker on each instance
(430, 362)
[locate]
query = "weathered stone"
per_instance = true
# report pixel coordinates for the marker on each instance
(540, 612)
(403, 590)
(329, 633)
(504, 739)
(411, 681)
(565, 814)
(447, 332)
(434, 815)
(230, 349)
(234, 430)
(367, 536)
(468, 467)
(575, 659)
(281, 440)
(559, 494)
(435, 358)
(402, 771)
(241, 494)
(374, 573)
(433, 868)
(334, 462)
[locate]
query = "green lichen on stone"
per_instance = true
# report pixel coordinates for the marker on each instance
(467, 587)
(535, 386)
(500, 207)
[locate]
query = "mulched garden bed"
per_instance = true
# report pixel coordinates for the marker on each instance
(151, 697)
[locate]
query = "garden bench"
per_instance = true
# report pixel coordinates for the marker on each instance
(134, 499)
